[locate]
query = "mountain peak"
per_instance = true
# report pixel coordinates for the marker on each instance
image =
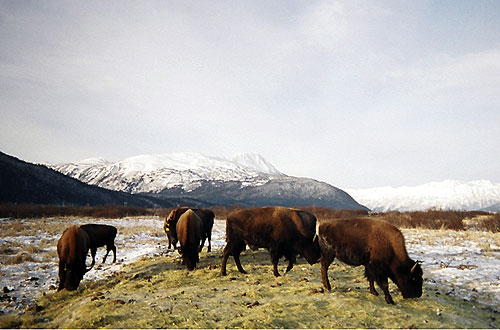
(244, 179)
(256, 162)
(152, 173)
(192, 161)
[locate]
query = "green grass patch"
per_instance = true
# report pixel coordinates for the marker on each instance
(160, 293)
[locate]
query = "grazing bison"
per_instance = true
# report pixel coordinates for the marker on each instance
(72, 249)
(377, 245)
(189, 229)
(101, 235)
(206, 216)
(284, 232)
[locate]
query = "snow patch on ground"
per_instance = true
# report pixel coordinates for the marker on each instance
(464, 264)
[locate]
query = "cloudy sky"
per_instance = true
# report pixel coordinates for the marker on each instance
(355, 93)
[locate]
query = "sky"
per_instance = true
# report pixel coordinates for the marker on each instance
(354, 93)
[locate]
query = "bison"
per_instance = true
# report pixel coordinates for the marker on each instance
(206, 216)
(101, 235)
(375, 244)
(189, 229)
(283, 231)
(72, 249)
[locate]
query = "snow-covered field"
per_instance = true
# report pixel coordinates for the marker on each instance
(463, 264)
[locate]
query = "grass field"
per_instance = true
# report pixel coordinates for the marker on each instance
(158, 292)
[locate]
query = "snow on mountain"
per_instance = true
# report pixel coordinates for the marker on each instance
(448, 195)
(256, 162)
(153, 173)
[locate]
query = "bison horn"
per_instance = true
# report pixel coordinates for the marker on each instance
(414, 266)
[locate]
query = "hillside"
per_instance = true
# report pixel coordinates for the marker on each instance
(446, 195)
(245, 180)
(22, 182)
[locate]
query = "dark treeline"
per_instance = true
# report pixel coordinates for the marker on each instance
(430, 219)
(41, 211)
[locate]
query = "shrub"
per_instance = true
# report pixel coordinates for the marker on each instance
(19, 211)
(491, 223)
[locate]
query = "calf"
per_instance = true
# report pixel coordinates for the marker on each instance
(206, 216)
(72, 250)
(101, 235)
(189, 229)
(282, 231)
(375, 244)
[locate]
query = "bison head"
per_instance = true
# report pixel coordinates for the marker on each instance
(73, 277)
(311, 251)
(409, 279)
(169, 227)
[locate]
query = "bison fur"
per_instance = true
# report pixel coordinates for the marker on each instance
(282, 231)
(101, 235)
(206, 216)
(375, 244)
(189, 230)
(72, 249)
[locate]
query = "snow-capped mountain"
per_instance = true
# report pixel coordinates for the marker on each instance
(447, 195)
(256, 162)
(153, 173)
(245, 179)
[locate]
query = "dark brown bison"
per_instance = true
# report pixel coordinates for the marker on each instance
(377, 245)
(206, 216)
(283, 231)
(189, 229)
(101, 235)
(72, 249)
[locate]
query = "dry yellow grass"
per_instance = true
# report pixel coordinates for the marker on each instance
(160, 293)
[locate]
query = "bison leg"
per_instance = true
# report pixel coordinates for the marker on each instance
(236, 257)
(169, 240)
(384, 285)
(62, 275)
(291, 260)
(209, 243)
(110, 247)
(325, 263)
(372, 288)
(202, 244)
(275, 258)
(233, 249)
(93, 250)
(225, 255)
(106, 255)
(371, 280)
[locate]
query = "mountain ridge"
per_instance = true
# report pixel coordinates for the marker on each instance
(245, 179)
(23, 182)
(446, 194)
